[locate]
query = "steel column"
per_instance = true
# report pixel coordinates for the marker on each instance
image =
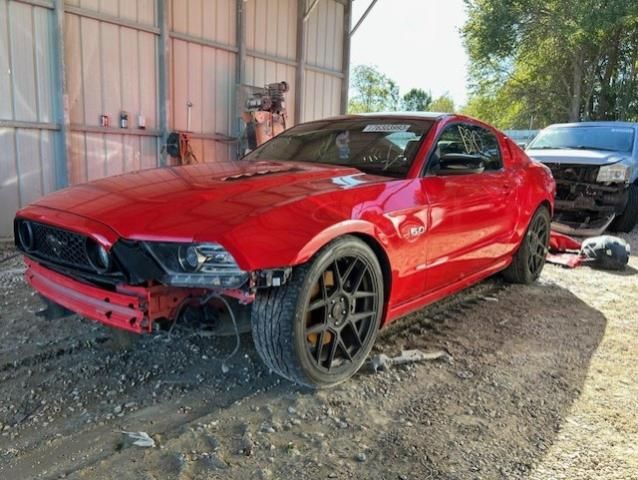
(345, 61)
(61, 100)
(240, 67)
(300, 76)
(164, 76)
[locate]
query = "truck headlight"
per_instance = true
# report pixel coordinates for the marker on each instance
(613, 173)
(204, 265)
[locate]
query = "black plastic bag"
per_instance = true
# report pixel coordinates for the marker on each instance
(606, 252)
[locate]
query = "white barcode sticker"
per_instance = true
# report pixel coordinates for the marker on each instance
(389, 128)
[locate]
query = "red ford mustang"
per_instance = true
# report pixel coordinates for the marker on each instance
(316, 239)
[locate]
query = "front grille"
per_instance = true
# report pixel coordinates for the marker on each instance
(60, 246)
(574, 173)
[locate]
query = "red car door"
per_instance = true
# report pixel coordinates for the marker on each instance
(471, 220)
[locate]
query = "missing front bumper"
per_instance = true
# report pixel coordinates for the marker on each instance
(583, 229)
(586, 208)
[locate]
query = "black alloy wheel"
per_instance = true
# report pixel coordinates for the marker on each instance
(340, 313)
(528, 261)
(538, 240)
(318, 328)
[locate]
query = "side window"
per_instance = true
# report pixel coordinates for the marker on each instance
(487, 144)
(450, 141)
(470, 140)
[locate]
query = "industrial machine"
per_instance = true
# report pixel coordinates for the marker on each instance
(264, 114)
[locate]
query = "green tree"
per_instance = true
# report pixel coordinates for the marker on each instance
(443, 104)
(552, 60)
(417, 100)
(373, 91)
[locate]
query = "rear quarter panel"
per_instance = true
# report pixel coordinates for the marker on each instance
(537, 187)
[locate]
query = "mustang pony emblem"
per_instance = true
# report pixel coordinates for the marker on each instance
(56, 244)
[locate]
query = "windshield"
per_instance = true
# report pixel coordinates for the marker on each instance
(378, 146)
(614, 139)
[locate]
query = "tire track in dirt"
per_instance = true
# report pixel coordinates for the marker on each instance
(77, 347)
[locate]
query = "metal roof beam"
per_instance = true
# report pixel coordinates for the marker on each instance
(363, 17)
(310, 9)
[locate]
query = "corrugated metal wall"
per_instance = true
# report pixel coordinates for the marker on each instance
(271, 32)
(324, 51)
(109, 69)
(203, 73)
(27, 125)
(112, 63)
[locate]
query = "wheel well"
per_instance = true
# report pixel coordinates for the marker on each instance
(384, 262)
(548, 206)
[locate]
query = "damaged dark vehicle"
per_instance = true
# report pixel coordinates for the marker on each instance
(595, 165)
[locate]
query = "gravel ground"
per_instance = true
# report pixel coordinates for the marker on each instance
(542, 386)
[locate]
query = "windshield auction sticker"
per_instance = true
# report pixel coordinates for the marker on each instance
(386, 128)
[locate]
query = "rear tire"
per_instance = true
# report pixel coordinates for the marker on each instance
(318, 328)
(529, 260)
(628, 219)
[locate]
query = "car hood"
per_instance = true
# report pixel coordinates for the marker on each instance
(577, 156)
(177, 203)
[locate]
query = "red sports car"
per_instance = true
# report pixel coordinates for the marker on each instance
(316, 239)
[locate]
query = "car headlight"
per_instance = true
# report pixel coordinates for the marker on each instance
(613, 173)
(205, 265)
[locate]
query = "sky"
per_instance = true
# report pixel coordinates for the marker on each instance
(416, 43)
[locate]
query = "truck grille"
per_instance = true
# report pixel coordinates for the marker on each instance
(574, 173)
(60, 246)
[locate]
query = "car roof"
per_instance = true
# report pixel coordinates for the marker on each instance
(406, 115)
(594, 124)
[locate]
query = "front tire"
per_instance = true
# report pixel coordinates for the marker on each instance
(628, 219)
(318, 329)
(529, 260)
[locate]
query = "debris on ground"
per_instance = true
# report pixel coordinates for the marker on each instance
(383, 362)
(139, 439)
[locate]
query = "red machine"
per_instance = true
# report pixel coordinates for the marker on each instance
(265, 114)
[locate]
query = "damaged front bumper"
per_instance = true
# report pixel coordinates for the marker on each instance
(585, 229)
(140, 309)
(585, 207)
(130, 308)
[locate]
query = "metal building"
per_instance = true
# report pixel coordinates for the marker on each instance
(66, 64)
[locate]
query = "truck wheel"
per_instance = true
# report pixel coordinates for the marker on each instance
(628, 219)
(529, 260)
(318, 328)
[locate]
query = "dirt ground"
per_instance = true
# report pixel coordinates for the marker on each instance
(543, 385)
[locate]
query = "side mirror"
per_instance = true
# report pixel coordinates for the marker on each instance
(459, 164)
